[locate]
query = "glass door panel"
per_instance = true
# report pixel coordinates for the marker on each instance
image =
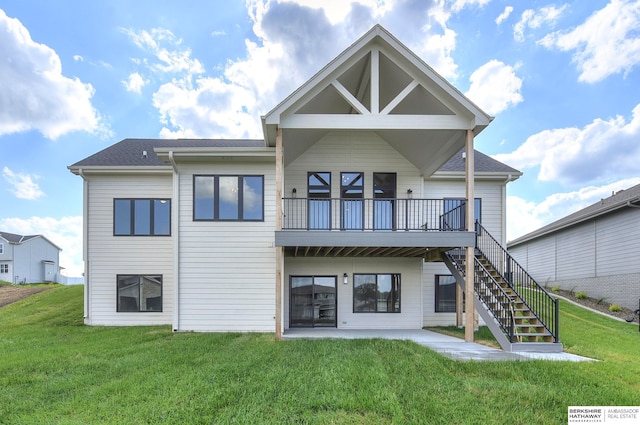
(384, 192)
(351, 195)
(313, 301)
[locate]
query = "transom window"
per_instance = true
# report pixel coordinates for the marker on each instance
(139, 293)
(228, 198)
(142, 217)
(376, 293)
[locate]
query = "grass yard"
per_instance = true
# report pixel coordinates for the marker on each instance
(55, 370)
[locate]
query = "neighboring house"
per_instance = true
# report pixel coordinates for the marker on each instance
(28, 259)
(344, 215)
(594, 250)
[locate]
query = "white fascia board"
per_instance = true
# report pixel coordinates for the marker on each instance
(487, 175)
(216, 152)
(132, 169)
(375, 122)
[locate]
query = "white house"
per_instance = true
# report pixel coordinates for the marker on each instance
(594, 250)
(28, 259)
(346, 214)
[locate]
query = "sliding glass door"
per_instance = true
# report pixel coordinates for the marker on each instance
(312, 301)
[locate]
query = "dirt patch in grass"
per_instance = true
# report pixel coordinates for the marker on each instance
(12, 293)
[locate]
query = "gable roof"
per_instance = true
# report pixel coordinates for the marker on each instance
(621, 199)
(20, 239)
(130, 152)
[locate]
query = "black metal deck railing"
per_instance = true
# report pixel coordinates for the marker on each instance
(539, 301)
(375, 214)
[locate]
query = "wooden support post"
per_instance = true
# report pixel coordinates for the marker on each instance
(279, 249)
(469, 269)
(459, 305)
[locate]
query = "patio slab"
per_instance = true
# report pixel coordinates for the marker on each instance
(452, 347)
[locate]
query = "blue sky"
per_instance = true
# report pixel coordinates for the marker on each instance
(561, 78)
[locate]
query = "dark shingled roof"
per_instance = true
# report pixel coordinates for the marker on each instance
(482, 162)
(604, 206)
(128, 152)
(13, 238)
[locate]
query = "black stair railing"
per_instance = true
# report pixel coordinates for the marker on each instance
(538, 300)
(489, 291)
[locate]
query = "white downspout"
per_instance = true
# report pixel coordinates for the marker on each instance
(175, 234)
(503, 239)
(85, 246)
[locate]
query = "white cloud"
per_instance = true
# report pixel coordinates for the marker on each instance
(495, 87)
(65, 232)
(504, 15)
(599, 151)
(135, 83)
(24, 186)
(526, 216)
(607, 43)
(532, 19)
(39, 97)
(78, 58)
(169, 60)
(458, 5)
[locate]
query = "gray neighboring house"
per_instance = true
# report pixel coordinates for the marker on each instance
(594, 250)
(28, 259)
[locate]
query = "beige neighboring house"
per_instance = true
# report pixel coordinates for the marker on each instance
(594, 250)
(29, 259)
(349, 213)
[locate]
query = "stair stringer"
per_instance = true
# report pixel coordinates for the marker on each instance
(481, 308)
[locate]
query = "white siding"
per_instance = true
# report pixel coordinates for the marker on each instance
(489, 191)
(410, 269)
(351, 152)
(109, 255)
(227, 269)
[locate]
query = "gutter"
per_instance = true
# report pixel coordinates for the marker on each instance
(175, 234)
(632, 205)
(85, 245)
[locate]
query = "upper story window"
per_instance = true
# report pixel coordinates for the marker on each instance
(1, 248)
(142, 217)
(319, 194)
(455, 213)
(228, 198)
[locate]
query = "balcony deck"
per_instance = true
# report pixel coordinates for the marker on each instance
(371, 227)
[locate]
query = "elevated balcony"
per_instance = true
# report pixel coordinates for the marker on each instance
(371, 227)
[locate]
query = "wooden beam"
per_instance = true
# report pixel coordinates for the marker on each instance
(374, 121)
(400, 97)
(351, 99)
(338, 251)
(375, 81)
(279, 249)
(459, 306)
(470, 254)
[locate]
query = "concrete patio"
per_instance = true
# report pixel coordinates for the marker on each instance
(454, 348)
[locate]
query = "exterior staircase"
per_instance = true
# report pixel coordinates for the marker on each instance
(520, 313)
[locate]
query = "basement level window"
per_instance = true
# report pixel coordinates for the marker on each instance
(4, 268)
(139, 293)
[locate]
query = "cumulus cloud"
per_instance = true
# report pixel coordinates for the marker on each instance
(39, 97)
(525, 216)
(458, 5)
(607, 43)
(135, 83)
(495, 87)
(65, 232)
(504, 15)
(532, 19)
(23, 185)
(599, 151)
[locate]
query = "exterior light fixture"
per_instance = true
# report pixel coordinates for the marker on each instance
(409, 193)
(345, 279)
(294, 192)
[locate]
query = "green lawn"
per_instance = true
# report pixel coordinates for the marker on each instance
(54, 370)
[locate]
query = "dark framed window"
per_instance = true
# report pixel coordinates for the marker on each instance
(142, 217)
(376, 293)
(384, 193)
(1, 248)
(4, 268)
(319, 198)
(445, 294)
(351, 195)
(228, 198)
(139, 293)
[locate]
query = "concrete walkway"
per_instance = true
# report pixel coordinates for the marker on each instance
(454, 348)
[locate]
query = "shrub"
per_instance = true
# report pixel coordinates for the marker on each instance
(614, 308)
(555, 288)
(581, 295)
